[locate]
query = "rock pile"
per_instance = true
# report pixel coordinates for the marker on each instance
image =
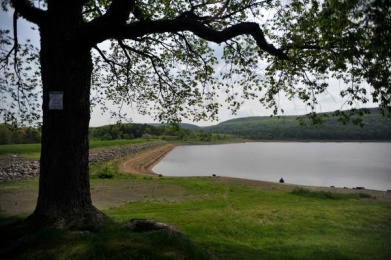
(110, 153)
(13, 167)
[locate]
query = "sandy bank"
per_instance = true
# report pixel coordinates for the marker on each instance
(143, 162)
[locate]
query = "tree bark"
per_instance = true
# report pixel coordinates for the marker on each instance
(64, 193)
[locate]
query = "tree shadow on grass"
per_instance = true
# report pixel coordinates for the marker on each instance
(25, 240)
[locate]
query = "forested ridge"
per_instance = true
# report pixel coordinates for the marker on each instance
(375, 127)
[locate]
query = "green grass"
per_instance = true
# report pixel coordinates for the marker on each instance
(242, 222)
(32, 151)
(115, 143)
(28, 151)
(230, 221)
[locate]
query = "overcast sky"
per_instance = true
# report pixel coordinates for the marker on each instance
(328, 102)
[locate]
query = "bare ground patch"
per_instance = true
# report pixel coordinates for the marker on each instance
(18, 200)
(106, 195)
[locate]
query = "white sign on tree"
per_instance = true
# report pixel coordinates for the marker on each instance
(56, 100)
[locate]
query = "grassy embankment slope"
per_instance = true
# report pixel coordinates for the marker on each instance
(230, 218)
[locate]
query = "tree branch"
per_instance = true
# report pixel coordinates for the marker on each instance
(98, 32)
(16, 44)
(117, 14)
(119, 10)
(26, 9)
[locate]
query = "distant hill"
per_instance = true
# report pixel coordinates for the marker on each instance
(189, 126)
(181, 125)
(376, 127)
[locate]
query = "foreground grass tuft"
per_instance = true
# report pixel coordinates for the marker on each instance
(105, 173)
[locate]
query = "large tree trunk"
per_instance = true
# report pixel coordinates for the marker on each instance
(64, 191)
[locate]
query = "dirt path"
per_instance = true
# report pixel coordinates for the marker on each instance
(142, 163)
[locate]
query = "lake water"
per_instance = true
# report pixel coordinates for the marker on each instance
(318, 164)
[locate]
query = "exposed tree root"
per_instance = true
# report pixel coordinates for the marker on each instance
(89, 218)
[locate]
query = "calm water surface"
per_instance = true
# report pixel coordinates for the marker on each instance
(320, 164)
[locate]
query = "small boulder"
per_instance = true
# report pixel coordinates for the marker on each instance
(146, 225)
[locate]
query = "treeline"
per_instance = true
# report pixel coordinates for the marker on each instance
(124, 131)
(183, 132)
(22, 135)
(376, 127)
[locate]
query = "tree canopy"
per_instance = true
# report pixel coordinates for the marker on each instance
(163, 57)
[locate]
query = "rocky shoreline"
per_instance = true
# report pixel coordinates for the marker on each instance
(15, 168)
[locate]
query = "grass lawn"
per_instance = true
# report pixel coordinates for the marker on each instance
(32, 151)
(28, 151)
(243, 222)
(230, 220)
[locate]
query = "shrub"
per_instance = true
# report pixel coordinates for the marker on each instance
(105, 173)
(364, 195)
(329, 195)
